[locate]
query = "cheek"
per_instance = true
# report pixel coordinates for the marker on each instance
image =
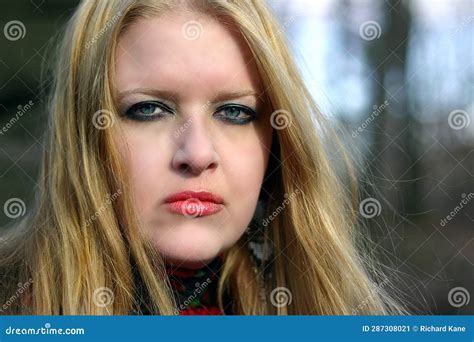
(146, 159)
(245, 167)
(244, 170)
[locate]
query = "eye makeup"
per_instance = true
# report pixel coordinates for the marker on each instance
(148, 111)
(231, 113)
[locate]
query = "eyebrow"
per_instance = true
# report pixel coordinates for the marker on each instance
(173, 96)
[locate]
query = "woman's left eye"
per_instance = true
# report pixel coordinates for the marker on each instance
(236, 114)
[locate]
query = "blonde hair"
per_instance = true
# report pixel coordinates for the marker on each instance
(83, 235)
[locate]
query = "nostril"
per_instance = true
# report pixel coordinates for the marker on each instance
(187, 162)
(212, 166)
(184, 168)
(188, 168)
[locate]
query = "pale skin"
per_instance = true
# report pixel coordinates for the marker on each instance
(191, 146)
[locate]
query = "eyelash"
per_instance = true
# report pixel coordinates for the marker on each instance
(130, 112)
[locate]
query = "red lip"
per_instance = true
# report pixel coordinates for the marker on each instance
(193, 204)
(202, 196)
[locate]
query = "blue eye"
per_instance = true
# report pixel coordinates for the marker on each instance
(148, 110)
(155, 110)
(236, 114)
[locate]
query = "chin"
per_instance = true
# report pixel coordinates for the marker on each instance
(191, 251)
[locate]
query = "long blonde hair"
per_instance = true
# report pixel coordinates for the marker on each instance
(82, 236)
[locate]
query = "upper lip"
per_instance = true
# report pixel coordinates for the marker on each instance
(199, 195)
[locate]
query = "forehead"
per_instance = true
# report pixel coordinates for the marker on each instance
(185, 51)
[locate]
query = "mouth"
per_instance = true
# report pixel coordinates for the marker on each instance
(193, 204)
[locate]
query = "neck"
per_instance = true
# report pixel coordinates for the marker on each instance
(195, 289)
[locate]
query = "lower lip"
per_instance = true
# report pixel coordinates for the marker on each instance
(194, 208)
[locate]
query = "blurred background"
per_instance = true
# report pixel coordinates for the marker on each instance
(397, 79)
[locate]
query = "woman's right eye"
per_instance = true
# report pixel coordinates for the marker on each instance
(147, 111)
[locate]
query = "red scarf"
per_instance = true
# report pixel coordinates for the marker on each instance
(195, 290)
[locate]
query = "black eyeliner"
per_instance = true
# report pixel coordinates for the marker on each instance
(249, 111)
(129, 112)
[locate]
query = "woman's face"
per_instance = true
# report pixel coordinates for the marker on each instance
(188, 90)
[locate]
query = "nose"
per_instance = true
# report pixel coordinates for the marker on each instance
(195, 151)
